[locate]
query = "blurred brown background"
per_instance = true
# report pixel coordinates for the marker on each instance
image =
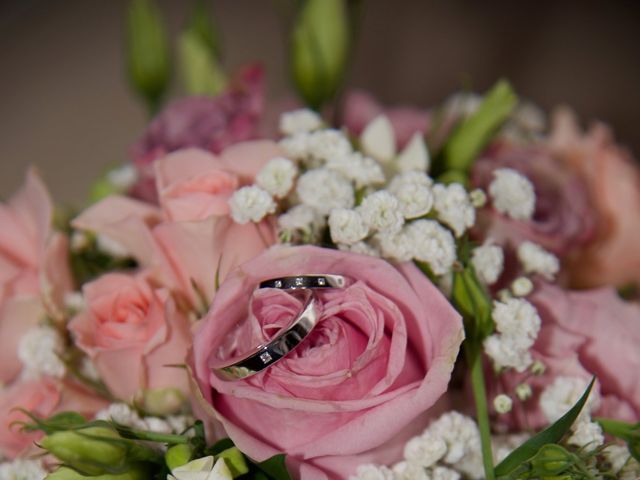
(66, 106)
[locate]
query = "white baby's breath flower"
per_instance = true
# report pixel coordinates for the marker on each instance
(478, 198)
(521, 287)
(444, 473)
(462, 104)
(517, 317)
(488, 262)
(396, 246)
(79, 240)
(372, 472)
(277, 176)
(251, 204)
(425, 450)
(381, 212)
(297, 146)
(617, 455)
(459, 432)
(507, 352)
(157, 425)
(363, 248)
(523, 392)
(111, 246)
(325, 190)
(123, 177)
(202, 469)
(346, 226)
(536, 259)
(415, 156)
(512, 194)
(538, 368)
(378, 139)
(121, 413)
(409, 471)
(586, 435)
(329, 144)
(413, 191)
(556, 399)
(299, 121)
(502, 403)
(39, 351)
(74, 301)
(453, 206)
(363, 171)
(23, 469)
(88, 369)
(432, 244)
(503, 445)
(301, 218)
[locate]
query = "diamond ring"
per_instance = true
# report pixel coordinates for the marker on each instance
(303, 282)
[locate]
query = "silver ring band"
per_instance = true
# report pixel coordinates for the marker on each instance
(303, 282)
(270, 353)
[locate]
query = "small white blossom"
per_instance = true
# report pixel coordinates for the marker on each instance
(22, 469)
(631, 471)
(381, 212)
(462, 104)
(617, 455)
(409, 471)
(415, 156)
(425, 450)
(538, 368)
(157, 425)
(123, 177)
(444, 473)
(432, 244)
(502, 403)
(454, 207)
(536, 259)
(521, 287)
(503, 295)
(503, 445)
(488, 262)
(413, 191)
(512, 194)
(88, 369)
(363, 248)
(299, 121)
(79, 240)
(478, 198)
(121, 413)
(202, 469)
(179, 423)
(586, 435)
(459, 432)
(524, 392)
(325, 190)
(378, 139)
(396, 246)
(251, 204)
(328, 144)
(557, 398)
(507, 352)
(372, 472)
(363, 171)
(296, 146)
(110, 246)
(277, 176)
(301, 218)
(517, 317)
(74, 301)
(39, 351)
(346, 226)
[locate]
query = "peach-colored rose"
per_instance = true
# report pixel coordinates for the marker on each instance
(191, 239)
(356, 388)
(613, 179)
(133, 332)
(583, 333)
(34, 272)
(44, 398)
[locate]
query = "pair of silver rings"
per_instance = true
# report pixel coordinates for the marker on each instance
(265, 355)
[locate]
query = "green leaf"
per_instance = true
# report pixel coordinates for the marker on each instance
(201, 23)
(235, 461)
(220, 446)
(275, 468)
(629, 432)
(475, 133)
(553, 434)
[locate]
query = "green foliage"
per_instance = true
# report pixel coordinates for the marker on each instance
(90, 262)
(629, 432)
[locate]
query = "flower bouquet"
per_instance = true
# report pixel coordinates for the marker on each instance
(343, 291)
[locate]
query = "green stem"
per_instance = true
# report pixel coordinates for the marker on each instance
(152, 436)
(615, 427)
(482, 411)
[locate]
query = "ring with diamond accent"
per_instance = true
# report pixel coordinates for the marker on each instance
(267, 354)
(303, 282)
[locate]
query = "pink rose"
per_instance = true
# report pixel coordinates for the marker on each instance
(133, 332)
(613, 180)
(358, 386)
(44, 398)
(583, 333)
(360, 108)
(191, 239)
(563, 219)
(34, 272)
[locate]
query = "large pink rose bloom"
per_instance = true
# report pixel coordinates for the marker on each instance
(44, 398)
(613, 179)
(133, 332)
(191, 240)
(34, 272)
(357, 387)
(583, 333)
(563, 219)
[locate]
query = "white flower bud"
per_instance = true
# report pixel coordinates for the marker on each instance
(299, 121)
(379, 140)
(512, 194)
(325, 190)
(251, 204)
(415, 156)
(381, 212)
(536, 259)
(502, 403)
(521, 287)
(488, 262)
(346, 226)
(454, 207)
(524, 392)
(277, 177)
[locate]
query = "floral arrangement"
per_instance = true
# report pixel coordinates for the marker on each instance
(461, 282)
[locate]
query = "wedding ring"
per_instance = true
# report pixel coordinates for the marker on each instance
(303, 282)
(267, 354)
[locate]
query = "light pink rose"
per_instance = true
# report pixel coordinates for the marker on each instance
(583, 333)
(360, 108)
(133, 332)
(44, 398)
(612, 177)
(34, 271)
(358, 386)
(191, 240)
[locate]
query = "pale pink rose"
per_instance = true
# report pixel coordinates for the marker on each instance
(612, 177)
(34, 271)
(563, 219)
(43, 398)
(134, 333)
(360, 108)
(583, 333)
(358, 386)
